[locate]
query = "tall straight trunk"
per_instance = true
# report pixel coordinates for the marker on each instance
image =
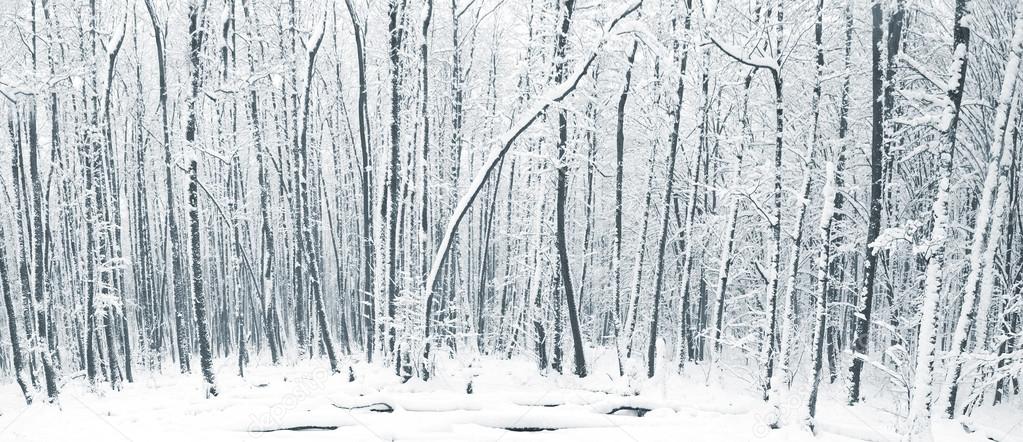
(619, 178)
(1012, 274)
(303, 329)
(723, 270)
(90, 266)
(824, 227)
(685, 340)
(350, 315)
(107, 197)
(561, 41)
(837, 267)
(425, 231)
(266, 288)
(779, 132)
(797, 231)
(865, 303)
(485, 255)
(540, 332)
(312, 259)
(118, 320)
(235, 188)
(892, 142)
(507, 292)
(40, 298)
(198, 296)
(769, 342)
(177, 277)
(558, 343)
(726, 257)
(365, 183)
(631, 315)
(673, 142)
(281, 117)
(152, 341)
(397, 35)
(57, 160)
(196, 40)
(457, 121)
(922, 385)
(343, 313)
(823, 274)
(591, 152)
(23, 237)
(789, 300)
(18, 357)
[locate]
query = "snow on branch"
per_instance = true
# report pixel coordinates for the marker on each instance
(917, 67)
(756, 62)
(504, 141)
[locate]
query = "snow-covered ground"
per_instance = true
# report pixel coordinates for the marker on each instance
(509, 401)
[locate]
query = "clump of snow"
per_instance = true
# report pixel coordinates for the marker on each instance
(888, 238)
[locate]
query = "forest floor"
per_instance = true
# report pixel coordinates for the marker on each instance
(509, 401)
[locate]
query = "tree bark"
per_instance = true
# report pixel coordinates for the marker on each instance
(922, 384)
(619, 177)
(673, 142)
(18, 357)
(177, 295)
(865, 303)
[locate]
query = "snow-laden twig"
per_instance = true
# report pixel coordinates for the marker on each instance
(915, 65)
(755, 62)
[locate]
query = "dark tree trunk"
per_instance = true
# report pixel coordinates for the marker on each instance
(196, 39)
(619, 177)
(312, 259)
(178, 292)
(397, 34)
(837, 266)
(18, 358)
(865, 303)
(562, 191)
(368, 309)
(673, 142)
(266, 289)
(198, 296)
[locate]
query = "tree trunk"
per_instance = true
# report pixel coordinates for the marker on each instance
(365, 183)
(562, 190)
(196, 39)
(18, 358)
(395, 10)
(823, 276)
(619, 176)
(673, 142)
(177, 295)
(198, 296)
(865, 303)
(922, 384)
(311, 259)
